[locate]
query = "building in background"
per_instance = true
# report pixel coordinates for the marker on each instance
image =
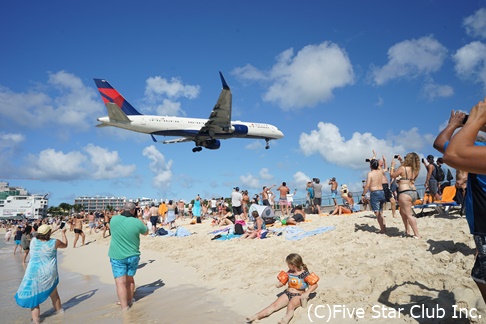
(17, 203)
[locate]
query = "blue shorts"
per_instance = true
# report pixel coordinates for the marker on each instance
(125, 267)
(17, 242)
(377, 199)
(333, 194)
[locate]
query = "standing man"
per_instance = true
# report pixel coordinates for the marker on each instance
(431, 182)
(317, 186)
(375, 186)
(91, 222)
(333, 183)
(154, 217)
(78, 229)
(265, 200)
(282, 201)
(124, 251)
(236, 198)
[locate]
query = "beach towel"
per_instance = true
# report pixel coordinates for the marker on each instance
(295, 233)
(221, 230)
(230, 236)
(182, 232)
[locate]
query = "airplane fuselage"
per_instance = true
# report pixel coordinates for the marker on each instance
(183, 126)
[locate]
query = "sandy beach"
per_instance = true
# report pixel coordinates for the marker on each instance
(364, 276)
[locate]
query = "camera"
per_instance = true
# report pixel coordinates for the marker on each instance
(465, 119)
(423, 161)
(396, 156)
(367, 160)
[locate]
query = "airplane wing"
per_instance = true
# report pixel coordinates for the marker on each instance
(178, 140)
(220, 118)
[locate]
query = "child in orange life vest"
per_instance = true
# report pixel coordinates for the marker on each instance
(300, 284)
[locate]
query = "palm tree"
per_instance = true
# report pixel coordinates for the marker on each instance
(65, 208)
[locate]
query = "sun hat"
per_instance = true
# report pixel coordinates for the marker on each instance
(44, 229)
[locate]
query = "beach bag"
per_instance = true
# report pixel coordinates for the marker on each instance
(161, 232)
(269, 221)
(239, 229)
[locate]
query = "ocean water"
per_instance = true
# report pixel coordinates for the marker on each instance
(86, 300)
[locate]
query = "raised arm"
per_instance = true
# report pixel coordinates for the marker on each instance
(462, 153)
(455, 121)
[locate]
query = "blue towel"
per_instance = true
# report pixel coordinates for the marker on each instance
(225, 237)
(294, 233)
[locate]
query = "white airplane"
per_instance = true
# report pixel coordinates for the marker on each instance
(204, 132)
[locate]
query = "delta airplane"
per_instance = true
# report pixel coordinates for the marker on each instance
(203, 132)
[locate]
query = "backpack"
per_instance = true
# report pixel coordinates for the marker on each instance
(439, 173)
(239, 229)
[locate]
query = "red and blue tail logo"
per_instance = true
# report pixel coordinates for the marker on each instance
(109, 94)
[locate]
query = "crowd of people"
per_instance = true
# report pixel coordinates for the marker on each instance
(396, 184)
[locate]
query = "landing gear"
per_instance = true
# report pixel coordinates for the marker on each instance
(267, 146)
(197, 149)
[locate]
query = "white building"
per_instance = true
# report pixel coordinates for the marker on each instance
(98, 203)
(21, 206)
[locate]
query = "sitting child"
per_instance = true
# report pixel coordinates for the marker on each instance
(300, 282)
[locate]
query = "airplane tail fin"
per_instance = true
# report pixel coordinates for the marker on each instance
(110, 95)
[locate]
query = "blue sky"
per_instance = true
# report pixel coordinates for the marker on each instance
(339, 78)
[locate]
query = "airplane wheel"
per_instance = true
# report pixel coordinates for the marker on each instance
(267, 147)
(194, 150)
(199, 149)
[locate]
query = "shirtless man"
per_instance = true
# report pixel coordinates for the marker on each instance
(78, 229)
(265, 199)
(333, 183)
(107, 218)
(284, 206)
(91, 222)
(154, 217)
(374, 184)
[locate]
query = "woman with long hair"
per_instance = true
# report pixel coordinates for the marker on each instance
(408, 171)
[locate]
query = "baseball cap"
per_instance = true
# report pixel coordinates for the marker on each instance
(430, 157)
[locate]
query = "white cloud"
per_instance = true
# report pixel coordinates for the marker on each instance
(53, 165)
(255, 145)
(250, 181)
(9, 141)
(163, 95)
(380, 102)
(265, 175)
(169, 108)
(98, 163)
(106, 164)
(329, 143)
(432, 90)
(471, 62)
(411, 58)
(476, 24)
(173, 89)
(300, 179)
(162, 170)
(306, 79)
(74, 106)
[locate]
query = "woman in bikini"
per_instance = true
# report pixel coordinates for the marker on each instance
(407, 193)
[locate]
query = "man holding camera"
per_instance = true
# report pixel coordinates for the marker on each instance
(333, 183)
